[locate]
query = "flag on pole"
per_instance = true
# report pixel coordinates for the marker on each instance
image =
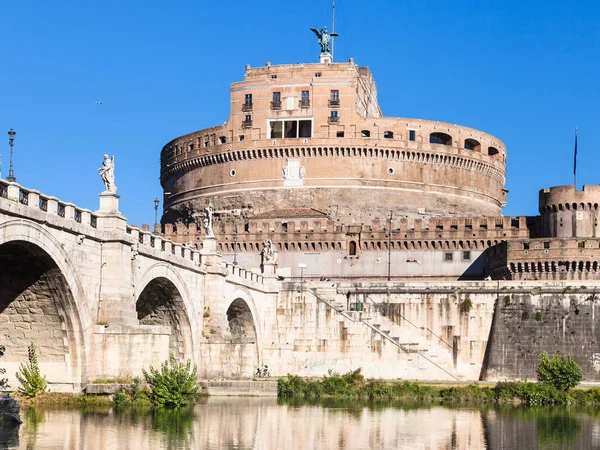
(575, 157)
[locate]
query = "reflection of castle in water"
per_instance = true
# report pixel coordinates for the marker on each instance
(249, 423)
(307, 160)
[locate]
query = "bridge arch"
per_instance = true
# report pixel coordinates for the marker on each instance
(244, 333)
(162, 298)
(42, 301)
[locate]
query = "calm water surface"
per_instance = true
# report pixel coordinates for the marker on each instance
(254, 423)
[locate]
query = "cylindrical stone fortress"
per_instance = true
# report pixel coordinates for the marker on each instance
(313, 136)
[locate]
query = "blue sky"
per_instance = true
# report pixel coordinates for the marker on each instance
(526, 72)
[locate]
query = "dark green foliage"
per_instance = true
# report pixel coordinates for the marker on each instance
(466, 305)
(3, 381)
(507, 300)
(538, 316)
(524, 315)
(560, 372)
(174, 385)
(32, 381)
(472, 394)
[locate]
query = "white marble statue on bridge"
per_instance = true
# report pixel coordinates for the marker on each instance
(107, 173)
(208, 221)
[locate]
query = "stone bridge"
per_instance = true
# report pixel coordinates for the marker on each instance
(102, 299)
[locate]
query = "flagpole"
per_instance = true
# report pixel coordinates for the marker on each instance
(575, 162)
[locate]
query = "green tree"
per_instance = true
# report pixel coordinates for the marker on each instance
(561, 372)
(174, 385)
(32, 381)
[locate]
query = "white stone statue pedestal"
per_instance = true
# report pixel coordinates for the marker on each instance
(325, 58)
(209, 251)
(269, 270)
(109, 216)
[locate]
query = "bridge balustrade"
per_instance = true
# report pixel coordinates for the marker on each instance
(34, 199)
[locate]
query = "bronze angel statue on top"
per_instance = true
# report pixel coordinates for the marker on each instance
(324, 38)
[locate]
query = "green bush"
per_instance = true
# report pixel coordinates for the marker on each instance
(32, 381)
(174, 385)
(3, 381)
(560, 372)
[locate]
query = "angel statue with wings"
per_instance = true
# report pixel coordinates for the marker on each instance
(107, 173)
(324, 38)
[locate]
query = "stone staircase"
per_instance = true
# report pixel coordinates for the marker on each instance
(410, 338)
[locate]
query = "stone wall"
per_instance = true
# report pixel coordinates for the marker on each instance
(559, 320)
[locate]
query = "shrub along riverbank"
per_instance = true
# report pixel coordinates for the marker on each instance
(353, 385)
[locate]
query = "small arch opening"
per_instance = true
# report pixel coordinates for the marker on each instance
(365, 133)
(472, 144)
(440, 138)
(388, 135)
(494, 152)
(352, 248)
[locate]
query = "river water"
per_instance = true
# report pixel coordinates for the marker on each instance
(264, 423)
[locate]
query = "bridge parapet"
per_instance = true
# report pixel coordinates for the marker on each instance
(246, 274)
(46, 204)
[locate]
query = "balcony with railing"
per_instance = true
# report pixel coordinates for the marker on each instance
(275, 105)
(247, 123)
(247, 107)
(333, 119)
(304, 103)
(333, 103)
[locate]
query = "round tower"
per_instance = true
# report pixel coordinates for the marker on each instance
(567, 212)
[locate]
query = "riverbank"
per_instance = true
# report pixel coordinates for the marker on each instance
(353, 386)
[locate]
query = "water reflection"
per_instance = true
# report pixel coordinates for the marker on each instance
(254, 423)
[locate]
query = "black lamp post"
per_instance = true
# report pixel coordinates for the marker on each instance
(389, 232)
(156, 203)
(11, 142)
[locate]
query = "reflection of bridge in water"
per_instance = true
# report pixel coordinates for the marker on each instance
(102, 299)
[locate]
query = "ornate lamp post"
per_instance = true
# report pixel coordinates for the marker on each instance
(156, 203)
(11, 142)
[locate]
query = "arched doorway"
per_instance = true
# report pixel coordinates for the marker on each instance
(160, 303)
(37, 306)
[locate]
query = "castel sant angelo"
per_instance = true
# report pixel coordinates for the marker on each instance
(311, 233)
(308, 162)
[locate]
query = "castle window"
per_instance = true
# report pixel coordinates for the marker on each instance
(318, 75)
(304, 100)
(339, 134)
(493, 152)
(247, 121)
(388, 135)
(448, 256)
(333, 117)
(581, 244)
(365, 133)
(440, 138)
(525, 245)
(472, 144)
(222, 139)
(467, 256)
(273, 77)
(247, 227)
(352, 248)
(546, 244)
(290, 128)
(412, 135)
(242, 138)
(247, 106)
(334, 98)
(284, 227)
(276, 103)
